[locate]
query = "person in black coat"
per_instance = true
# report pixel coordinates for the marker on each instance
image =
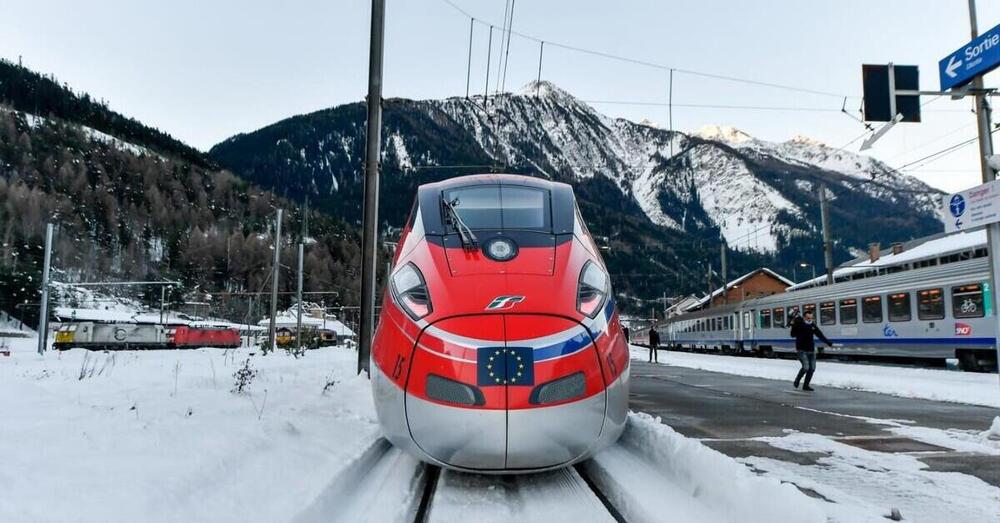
(626, 332)
(805, 331)
(654, 344)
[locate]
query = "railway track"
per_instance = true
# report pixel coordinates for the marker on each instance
(562, 495)
(386, 484)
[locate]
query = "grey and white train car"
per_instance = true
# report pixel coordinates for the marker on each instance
(936, 312)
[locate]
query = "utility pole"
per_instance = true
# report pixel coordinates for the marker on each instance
(163, 301)
(985, 151)
(370, 223)
(725, 275)
(298, 301)
(298, 287)
(43, 311)
(271, 340)
(824, 211)
(708, 281)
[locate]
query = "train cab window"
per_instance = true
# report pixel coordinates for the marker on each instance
(967, 301)
(899, 307)
(871, 309)
(779, 317)
(765, 319)
(849, 311)
(930, 304)
(827, 313)
(501, 207)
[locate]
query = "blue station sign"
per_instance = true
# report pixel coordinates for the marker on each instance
(973, 59)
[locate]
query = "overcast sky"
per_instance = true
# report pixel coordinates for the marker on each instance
(205, 70)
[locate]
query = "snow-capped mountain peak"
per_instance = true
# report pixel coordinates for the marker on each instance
(802, 139)
(723, 133)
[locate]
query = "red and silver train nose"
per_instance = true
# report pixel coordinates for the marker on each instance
(507, 392)
(499, 348)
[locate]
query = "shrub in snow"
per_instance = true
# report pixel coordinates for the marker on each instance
(243, 377)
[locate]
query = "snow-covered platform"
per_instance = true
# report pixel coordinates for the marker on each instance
(860, 452)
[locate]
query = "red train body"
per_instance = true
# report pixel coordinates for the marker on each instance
(499, 347)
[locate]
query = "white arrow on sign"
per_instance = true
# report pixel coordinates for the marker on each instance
(952, 65)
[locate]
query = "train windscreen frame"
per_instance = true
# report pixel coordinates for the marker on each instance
(502, 207)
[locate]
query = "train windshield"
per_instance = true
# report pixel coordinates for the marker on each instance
(500, 207)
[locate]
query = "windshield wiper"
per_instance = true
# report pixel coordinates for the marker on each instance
(468, 238)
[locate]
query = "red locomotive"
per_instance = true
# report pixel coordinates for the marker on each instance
(194, 337)
(499, 347)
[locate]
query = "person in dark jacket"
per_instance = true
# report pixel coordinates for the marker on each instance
(654, 345)
(626, 332)
(804, 331)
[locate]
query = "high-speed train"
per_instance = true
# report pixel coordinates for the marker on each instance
(940, 311)
(499, 348)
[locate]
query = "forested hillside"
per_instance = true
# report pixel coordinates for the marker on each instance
(132, 210)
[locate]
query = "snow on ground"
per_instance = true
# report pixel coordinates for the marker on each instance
(158, 436)
(879, 481)
(656, 474)
(929, 384)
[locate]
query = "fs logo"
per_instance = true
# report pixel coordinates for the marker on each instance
(504, 302)
(962, 329)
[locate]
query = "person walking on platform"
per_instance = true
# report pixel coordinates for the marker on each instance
(654, 345)
(804, 331)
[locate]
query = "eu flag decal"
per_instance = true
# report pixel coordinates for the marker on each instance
(520, 366)
(505, 366)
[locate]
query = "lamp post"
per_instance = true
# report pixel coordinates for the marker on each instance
(804, 265)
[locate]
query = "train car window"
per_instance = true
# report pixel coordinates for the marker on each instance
(765, 319)
(827, 313)
(930, 304)
(871, 309)
(849, 311)
(746, 321)
(779, 317)
(809, 308)
(899, 307)
(967, 301)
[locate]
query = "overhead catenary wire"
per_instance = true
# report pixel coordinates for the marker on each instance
(654, 65)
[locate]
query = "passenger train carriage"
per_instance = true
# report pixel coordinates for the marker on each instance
(936, 312)
(499, 347)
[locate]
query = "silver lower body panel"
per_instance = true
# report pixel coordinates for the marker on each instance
(500, 441)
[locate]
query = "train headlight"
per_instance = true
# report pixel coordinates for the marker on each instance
(410, 291)
(592, 290)
(500, 249)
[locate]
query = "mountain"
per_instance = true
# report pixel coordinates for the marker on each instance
(132, 203)
(662, 199)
